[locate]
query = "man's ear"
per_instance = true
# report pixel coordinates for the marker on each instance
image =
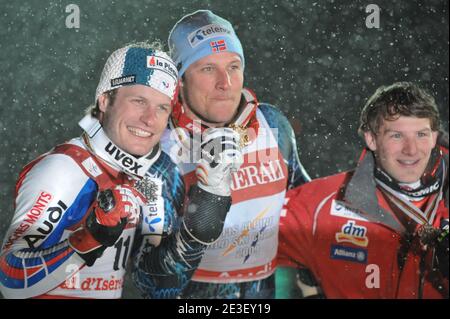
(370, 139)
(181, 92)
(103, 102)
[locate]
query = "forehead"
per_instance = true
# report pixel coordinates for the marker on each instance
(405, 124)
(143, 91)
(224, 58)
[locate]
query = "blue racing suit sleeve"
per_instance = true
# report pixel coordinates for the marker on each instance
(52, 196)
(163, 270)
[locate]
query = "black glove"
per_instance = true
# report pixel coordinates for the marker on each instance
(107, 218)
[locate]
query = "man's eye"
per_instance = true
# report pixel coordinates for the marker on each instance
(164, 108)
(207, 69)
(396, 135)
(422, 134)
(138, 101)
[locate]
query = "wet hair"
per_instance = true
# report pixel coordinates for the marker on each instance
(388, 103)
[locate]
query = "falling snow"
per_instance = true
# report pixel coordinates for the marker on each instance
(317, 61)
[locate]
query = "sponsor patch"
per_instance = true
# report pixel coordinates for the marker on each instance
(91, 167)
(358, 255)
(426, 191)
(123, 80)
(36, 211)
(161, 64)
(131, 164)
(339, 209)
(153, 212)
(52, 217)
(206, 32)
(353, 233)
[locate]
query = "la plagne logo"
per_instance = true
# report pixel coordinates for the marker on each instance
(206, 32)
(162, 64)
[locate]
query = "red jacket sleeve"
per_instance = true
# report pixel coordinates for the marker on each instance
(295, 237)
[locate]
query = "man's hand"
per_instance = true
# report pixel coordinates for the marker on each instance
(108, 216)
(221, 155)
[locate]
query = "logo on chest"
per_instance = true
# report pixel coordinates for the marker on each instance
(258, 174)
(122, 158)
(353, 233)
(358, 255)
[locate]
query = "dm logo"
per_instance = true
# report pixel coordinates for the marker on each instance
(352, 233)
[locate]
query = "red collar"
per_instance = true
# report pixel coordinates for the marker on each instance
(245, 120)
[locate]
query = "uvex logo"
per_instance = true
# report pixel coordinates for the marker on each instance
(122, 158)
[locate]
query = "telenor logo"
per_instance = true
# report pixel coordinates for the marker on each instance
(197, 36)
(206, 32)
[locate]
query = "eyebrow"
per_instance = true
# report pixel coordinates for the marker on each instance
(146, 99)
(136, 96)
(397, 131)
(237, 60)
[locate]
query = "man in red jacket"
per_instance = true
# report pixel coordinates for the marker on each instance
(381, 230)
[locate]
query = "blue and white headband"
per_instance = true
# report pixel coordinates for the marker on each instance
(136, 64)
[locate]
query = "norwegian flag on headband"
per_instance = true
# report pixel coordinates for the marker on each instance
(218, 46)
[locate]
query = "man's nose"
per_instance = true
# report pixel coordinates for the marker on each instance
(223, 80)
(149, 115)
(410, 146)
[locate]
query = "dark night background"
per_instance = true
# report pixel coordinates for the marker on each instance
(315, 60)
